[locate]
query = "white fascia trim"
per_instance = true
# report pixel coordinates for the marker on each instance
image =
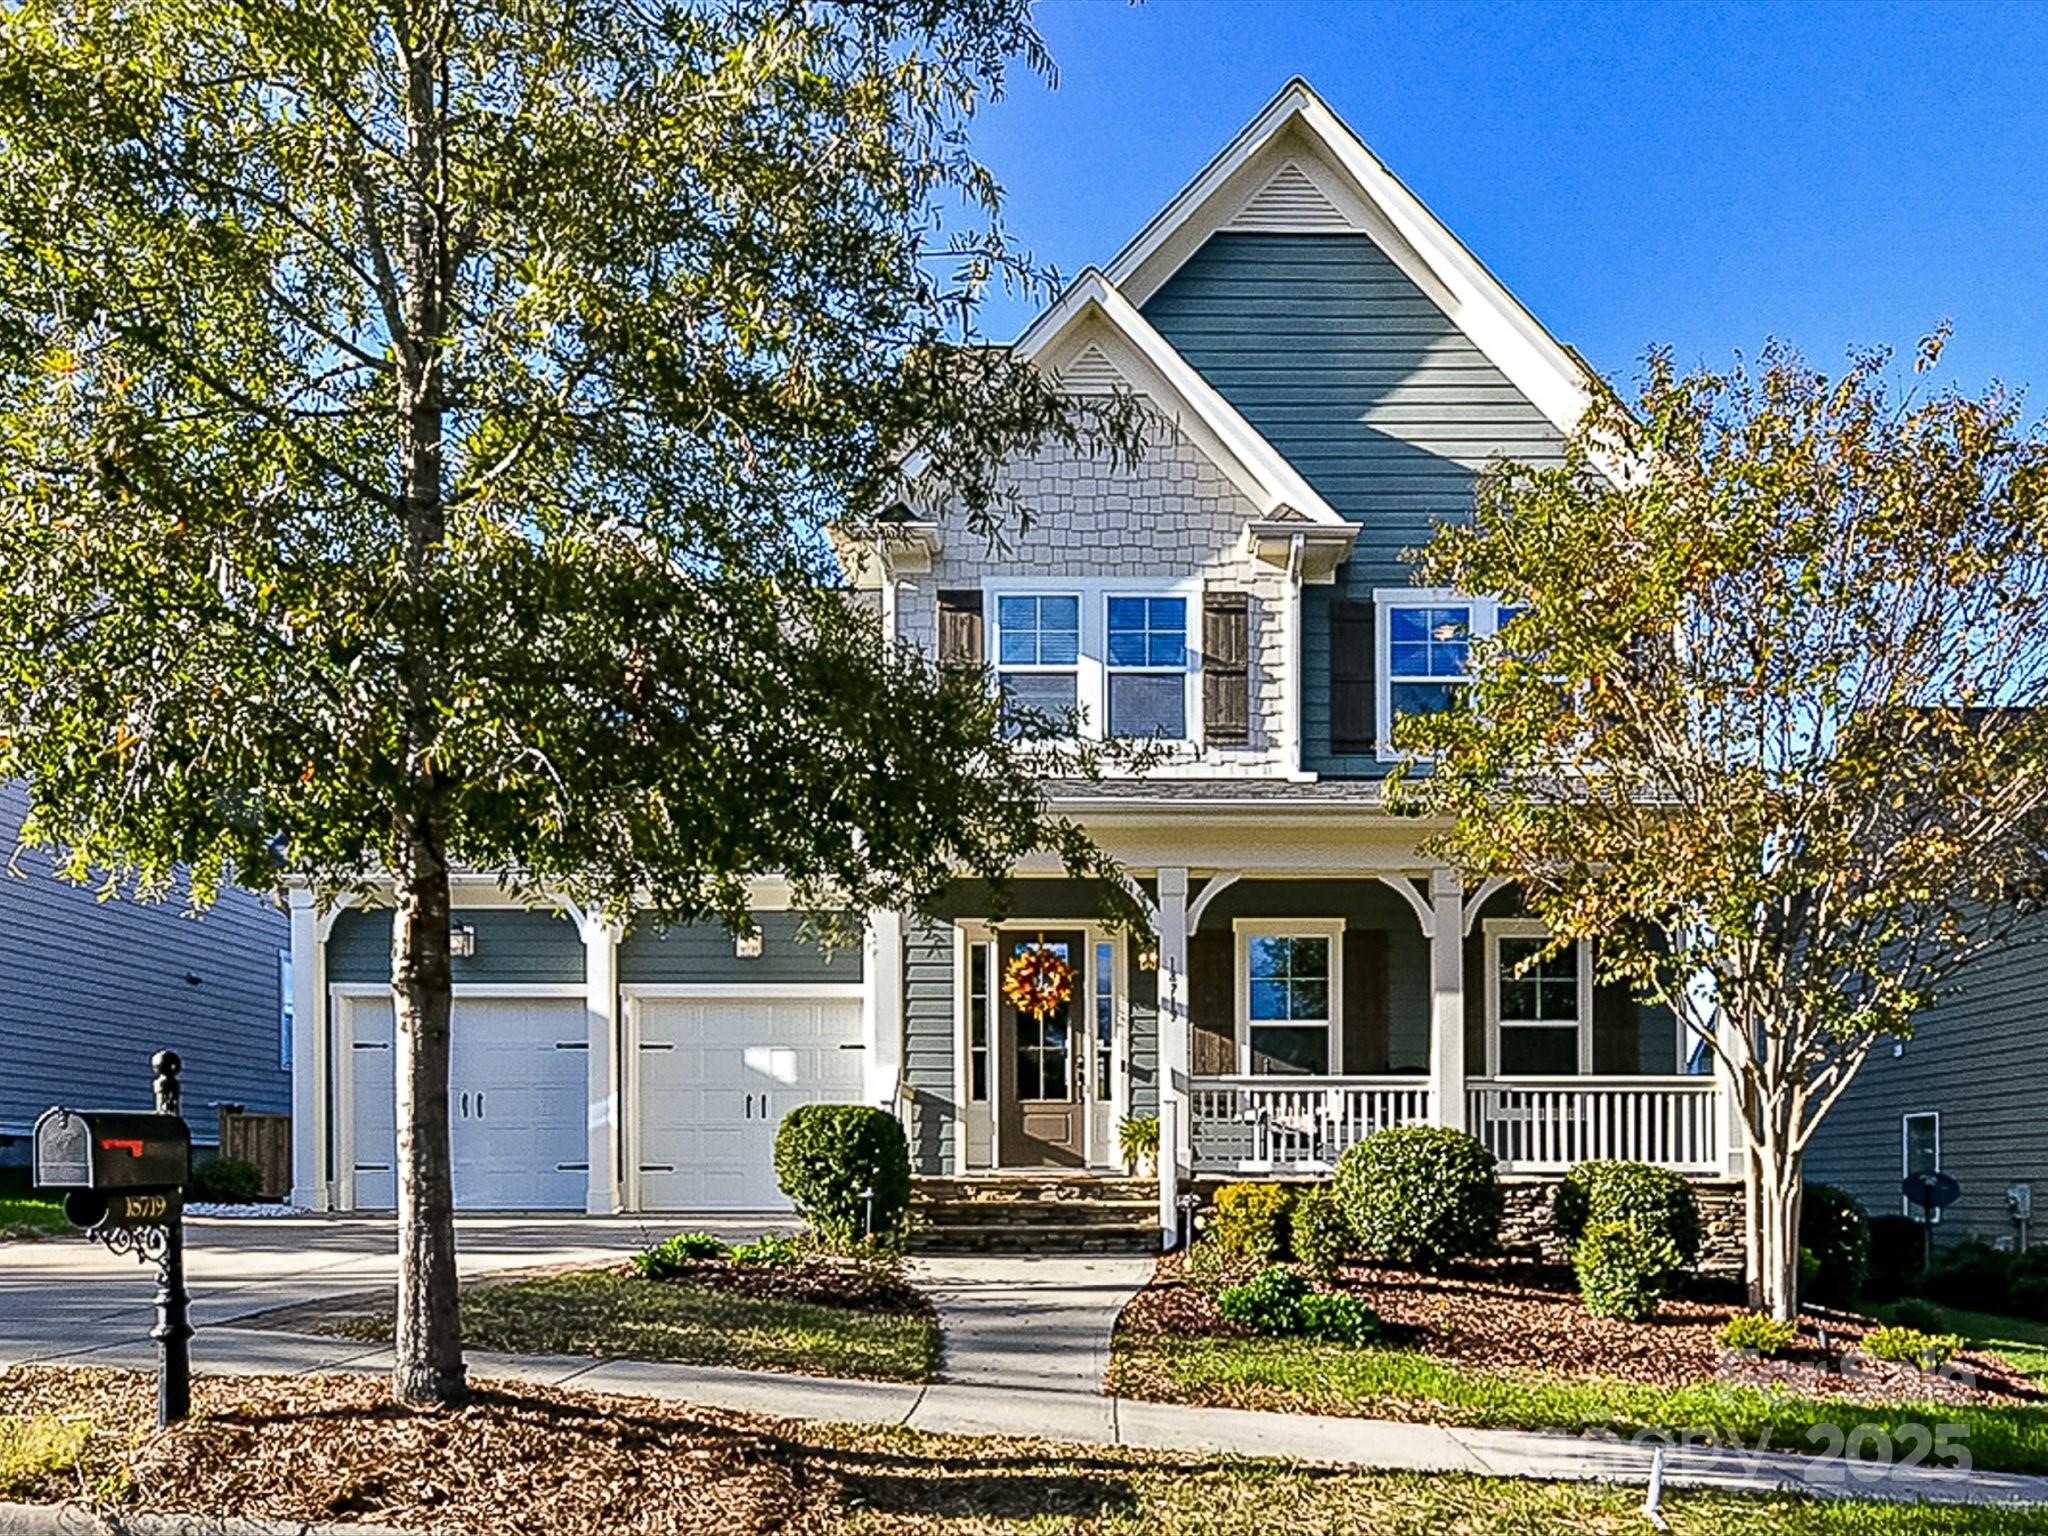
(1254, 465)
(747, 991)
(543, 990)
(1498, 323)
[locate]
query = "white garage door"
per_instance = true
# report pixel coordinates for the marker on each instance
(517, 1104)
(716, 1077)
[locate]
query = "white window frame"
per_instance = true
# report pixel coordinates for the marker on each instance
(1185, 671)
(1091, 681)
(286, 1007)
(1907, 1207)
(1245, 930)
(1484, 620)
(992, 609)
(1498, 928)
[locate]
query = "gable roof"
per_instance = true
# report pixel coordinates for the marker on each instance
(1298, 167)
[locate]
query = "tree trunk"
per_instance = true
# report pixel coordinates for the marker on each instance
(427, 1343)
(1780, 1188)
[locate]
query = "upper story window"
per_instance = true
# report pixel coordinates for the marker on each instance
(1038, 651)
(1148, 666)
(1425, 651)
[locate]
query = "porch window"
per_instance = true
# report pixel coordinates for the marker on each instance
(977, 1022)
(1540, 1003)
(1289, 991)
(1148, 666)
(1038, 652)
(1105, 1021)
(1919, 1152)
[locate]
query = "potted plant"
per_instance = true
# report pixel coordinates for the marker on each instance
(1137, 1138)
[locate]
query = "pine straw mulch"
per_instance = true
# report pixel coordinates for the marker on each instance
(1520, 1317)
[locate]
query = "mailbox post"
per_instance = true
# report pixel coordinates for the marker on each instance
(124, 1176)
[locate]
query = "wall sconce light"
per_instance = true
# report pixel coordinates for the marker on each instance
(462, 942)
(1148, 957)
(748, 945)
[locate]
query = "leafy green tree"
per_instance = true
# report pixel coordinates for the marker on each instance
(422, 419)
(1767, 725)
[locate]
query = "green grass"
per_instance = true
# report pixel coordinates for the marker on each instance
(1297, 1376)
(24, 1215)
(2020, 1342)
(617, 1315)
(33, 1447)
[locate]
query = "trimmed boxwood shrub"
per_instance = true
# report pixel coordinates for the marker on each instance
(1624, 1269)
(1318, 1233)
(826, 1155)
(1333, 1318)
(1250, 1220)
(1973, 1274)
(224, 1181)
(1835, 1230)
(1420, 1195)
(1655, 1199)
(1268, 1303)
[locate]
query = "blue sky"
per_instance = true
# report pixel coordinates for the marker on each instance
(1705, 176)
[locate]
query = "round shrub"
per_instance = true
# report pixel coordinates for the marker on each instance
(1624, 1270)
(1334, 1318)
(828, 1155)
(1268, 1303)
(1758, 1333)
(1972, 1274)
(1915, 1313)
(1835, 1230)
(671, 1256)
(1250, 1220)
(1420, 1195)
(224, 1181)
(1318, 1233)
(1212, 1269)
(1909, 1346)
(1655, 1199)
(2028, 1297)
(1896, 1251)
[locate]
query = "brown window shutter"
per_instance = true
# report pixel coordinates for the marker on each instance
(1226, 669)
(1353, 719)
(1212, 1002)
(960, 629)
(1365, 1000)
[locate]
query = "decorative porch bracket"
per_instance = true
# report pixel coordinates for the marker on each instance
(1404, 887)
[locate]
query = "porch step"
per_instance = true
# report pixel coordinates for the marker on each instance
(1049, 1213)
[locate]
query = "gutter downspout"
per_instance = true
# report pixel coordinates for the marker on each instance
(1291, 643)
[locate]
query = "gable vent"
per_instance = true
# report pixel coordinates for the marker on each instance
(1289, 203)
(1092, 373)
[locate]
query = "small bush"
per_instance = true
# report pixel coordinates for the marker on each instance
(1421, 1195)
(1809, 1271)
(1269, 1303)
(1624, 1270)
(1971, 1274)
(1915, 1313)
(828, 1155)
(1895, 1253)
(1757, 1333)
(1250, 1220)
(768, 1249)
(224, 1181)
(672, 1255)
(1317, 1232)
(1137, 1139)
(1835, 1229)
(1211, 1269)
(1909, 1346)
(1333, 1318)
(1655, 1199)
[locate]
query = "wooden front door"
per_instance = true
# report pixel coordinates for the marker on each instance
(1044, 1112)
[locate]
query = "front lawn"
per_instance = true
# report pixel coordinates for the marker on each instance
(2021, 1342)
(1499, 1348)
(523, 1458)
(23, 1215)
(613, 1313)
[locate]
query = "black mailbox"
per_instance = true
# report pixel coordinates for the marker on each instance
(111, 1150)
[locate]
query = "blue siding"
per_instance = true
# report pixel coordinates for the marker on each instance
(1142, 988)
(512, 945)
(89, 990)
(703, 952)
(1355, 375)
(928, 1043)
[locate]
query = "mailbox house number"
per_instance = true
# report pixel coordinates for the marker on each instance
(145, 1207)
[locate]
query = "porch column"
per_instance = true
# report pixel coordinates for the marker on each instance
(309, 1055)
(601, 1025)
(882, 1012)
(1175, 1140)
(1447, 997)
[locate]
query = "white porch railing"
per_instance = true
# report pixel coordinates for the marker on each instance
(1531, 1125)
(1545, 1125)
(1294, 1124)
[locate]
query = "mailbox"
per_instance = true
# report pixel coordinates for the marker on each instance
(111, 1151)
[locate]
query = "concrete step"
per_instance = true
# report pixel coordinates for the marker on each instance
(1006, 1237)
(999, 1189)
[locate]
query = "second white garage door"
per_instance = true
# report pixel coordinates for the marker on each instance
(716, 1076)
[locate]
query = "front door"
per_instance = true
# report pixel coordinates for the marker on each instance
(1044, 1113)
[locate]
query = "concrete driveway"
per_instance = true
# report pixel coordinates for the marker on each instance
(68, 1297)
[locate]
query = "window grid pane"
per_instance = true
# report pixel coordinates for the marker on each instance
(1289, 979)
(1105, 1018)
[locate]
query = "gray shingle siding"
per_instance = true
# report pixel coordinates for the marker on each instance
(928, 1043)
(1980, 1059)
(90, 989)
(1366, 387)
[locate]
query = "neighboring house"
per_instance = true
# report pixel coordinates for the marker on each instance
(1329, 371)
(1959, 1097)
(91, 989)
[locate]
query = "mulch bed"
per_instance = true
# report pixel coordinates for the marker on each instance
(1517, 1316)
(515, 1459)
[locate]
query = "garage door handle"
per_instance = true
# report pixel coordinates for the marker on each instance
(479, 1106)
(465, 1106)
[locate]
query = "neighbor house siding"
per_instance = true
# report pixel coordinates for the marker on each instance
(1980, 1059)
(512, 945)
(928, 1029)
(1367, 388)
(704, 953)
(89, 990)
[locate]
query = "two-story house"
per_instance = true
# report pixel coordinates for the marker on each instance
(1327, 371)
